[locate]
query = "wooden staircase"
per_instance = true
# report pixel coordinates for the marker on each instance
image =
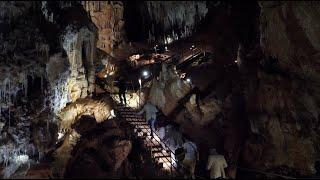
(160, 154)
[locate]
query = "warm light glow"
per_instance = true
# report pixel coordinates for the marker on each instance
(134, 57)
(188, 80)
(235, 61)
(166, 165)
(140, 82)
(132, 99)
(106, 75)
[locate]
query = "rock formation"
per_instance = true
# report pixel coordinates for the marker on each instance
(38, 80)
(168, 90)
(173, 20)
(100, 152)
(108, 17)
(285, 114)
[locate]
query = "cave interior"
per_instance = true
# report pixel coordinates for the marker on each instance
(159, 89)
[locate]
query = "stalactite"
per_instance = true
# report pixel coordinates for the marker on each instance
(177, 15)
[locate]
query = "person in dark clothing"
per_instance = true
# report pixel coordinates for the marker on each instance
(198, 94)
(122, 90)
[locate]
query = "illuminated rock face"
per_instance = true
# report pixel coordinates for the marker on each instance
(108, 17)
(41, 71)
(77, 80)
(173, 19)
(69, 119)
(168, 90)
(205, 113)
(166, 93)
(100, 110)
(163, 22)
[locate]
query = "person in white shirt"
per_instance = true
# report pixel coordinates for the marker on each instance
(191, 157)
(216, 165)
(151, 115)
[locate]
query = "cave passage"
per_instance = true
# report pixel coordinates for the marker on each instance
(159, 89)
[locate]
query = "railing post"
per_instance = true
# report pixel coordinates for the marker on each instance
(171, 165)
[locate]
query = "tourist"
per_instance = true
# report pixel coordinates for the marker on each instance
(122, 90)
(151, 115)
(190, 159)
(216, 165)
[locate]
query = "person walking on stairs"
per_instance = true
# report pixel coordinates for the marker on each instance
(191, 158)
(151, 115)
(216, 165)
(122, 90)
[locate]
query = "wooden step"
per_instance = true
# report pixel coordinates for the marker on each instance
(163, 160)
(142, 130)
(167, 166)
(139, 123)
(135, 119)
(159, 157)
(132, 116)
(160, 154)
(156, 149)
(129, 113)
(143, 127)
(150, 144)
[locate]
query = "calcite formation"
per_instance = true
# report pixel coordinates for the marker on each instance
(101, 152)
(78, 80)
(68, 118)
(174, 19)
(168, 90)
(100, 110)
(203, 114)
(108, 17)
(36, 84)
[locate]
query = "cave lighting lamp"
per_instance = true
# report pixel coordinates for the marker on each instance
(145, 73)
(60, 135)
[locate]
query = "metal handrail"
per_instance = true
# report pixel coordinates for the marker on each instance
(240, 168)
(162, 153)
(173, 154)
